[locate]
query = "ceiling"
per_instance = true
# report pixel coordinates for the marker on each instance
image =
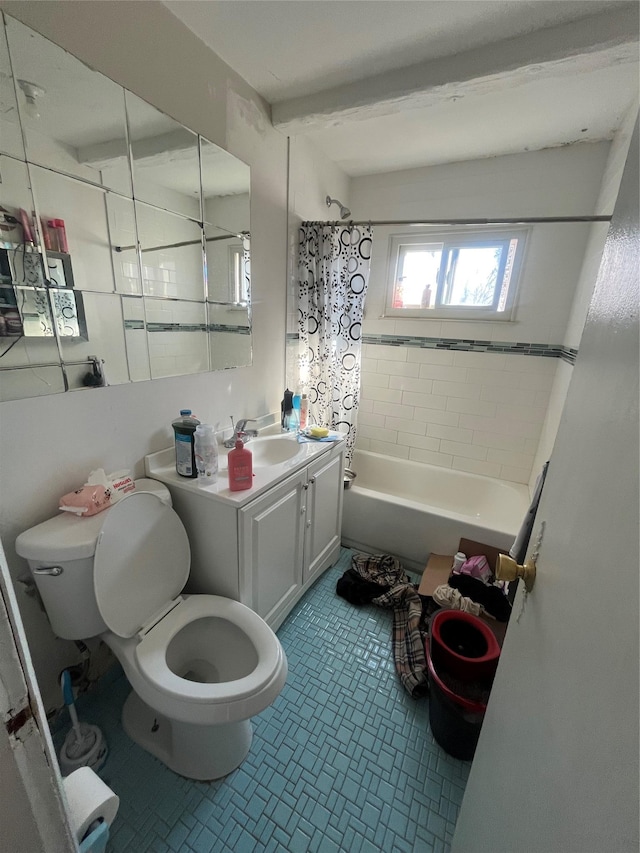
(382, 85)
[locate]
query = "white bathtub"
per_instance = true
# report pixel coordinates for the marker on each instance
(409, 509)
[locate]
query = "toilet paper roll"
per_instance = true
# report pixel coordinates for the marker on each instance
(88, 800)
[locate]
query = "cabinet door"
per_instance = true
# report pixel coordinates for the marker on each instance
(271, 547)
(324, 513)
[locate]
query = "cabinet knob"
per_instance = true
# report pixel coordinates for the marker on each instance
(306, 486)
(308, 524)
(303, 509)
(312, 481)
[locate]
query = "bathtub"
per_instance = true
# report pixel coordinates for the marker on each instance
(410, 509)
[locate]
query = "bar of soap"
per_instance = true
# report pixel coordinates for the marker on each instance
(318, 432)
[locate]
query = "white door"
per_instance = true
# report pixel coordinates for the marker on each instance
(556, 768)
(324, 513)
(32, 813)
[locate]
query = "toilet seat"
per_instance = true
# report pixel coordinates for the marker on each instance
(151, 651)
(141, 562)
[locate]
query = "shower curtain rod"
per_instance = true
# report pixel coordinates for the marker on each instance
(525, 220)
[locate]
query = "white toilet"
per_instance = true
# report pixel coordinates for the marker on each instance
(200, 666)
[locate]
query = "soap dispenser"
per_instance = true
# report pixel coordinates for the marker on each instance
(240, 466)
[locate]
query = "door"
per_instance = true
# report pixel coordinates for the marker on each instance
(324, 513)
(556, 768)
(32, 814)
(271, 546)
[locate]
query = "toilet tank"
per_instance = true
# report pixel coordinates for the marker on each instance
(68, 542)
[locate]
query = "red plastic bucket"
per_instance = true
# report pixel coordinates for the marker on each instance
(464, 645)
(455, 720)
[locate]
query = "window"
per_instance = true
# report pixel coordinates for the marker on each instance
(238, 278)
(454, 274)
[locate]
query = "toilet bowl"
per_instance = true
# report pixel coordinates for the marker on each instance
(200, 666)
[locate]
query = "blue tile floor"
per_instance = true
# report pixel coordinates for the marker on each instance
(342, 761)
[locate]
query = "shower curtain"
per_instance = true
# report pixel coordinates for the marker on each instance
(333, 274)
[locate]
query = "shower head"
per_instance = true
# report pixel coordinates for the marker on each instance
(345, 213)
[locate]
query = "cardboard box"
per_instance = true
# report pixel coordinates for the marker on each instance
(438, 569)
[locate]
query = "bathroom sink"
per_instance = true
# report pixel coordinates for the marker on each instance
(273, 450)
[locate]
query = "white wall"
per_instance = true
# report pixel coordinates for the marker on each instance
(312, 177)
(474, 411)
(50, 444)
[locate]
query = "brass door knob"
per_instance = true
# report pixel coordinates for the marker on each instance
(508, 570)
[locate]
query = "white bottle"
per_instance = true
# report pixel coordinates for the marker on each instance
(206, 453)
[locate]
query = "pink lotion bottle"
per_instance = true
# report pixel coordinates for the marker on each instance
(240, 465)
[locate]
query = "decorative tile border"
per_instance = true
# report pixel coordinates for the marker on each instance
(185, 327)
(236, 330)
(176, 327)
(471, 345)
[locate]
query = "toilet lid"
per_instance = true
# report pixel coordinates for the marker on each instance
(141, 562)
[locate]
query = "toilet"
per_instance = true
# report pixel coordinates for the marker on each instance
(200, 665)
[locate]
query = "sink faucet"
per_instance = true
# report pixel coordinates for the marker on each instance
(241, 432)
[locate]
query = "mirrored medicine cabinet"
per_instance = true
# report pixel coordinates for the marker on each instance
(124, 236)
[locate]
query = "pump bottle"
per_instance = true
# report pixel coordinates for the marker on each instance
(240, 465)
(206, 454)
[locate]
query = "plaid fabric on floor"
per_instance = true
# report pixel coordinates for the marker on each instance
(403, 599)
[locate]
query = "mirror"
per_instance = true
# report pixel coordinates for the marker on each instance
(124, 236)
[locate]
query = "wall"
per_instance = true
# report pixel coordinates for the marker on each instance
(312, 177)
(482, 412)
(51, 443)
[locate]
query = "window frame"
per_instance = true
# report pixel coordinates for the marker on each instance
(448, 240)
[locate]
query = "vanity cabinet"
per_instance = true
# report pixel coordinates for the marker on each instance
(290, 535)
(266, 551)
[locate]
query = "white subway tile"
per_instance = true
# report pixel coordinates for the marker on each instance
(510, 396)
(384, 395)
(397, 368)
(443, 372)
(385, 352)
(533, 414)
(362, 443)
(419, 328)
(510, 458)
(530, 446)
(503, 442)
(430, 457)
(421, 441)
(533, 364)
(424, 401)
(515, 475)
(471, 407)
(536, 381)
(408, 383)
(378, 433)
(541, 398)
(498, 378)
(481, 360)
(501, 426)
(476, 466)
(389, 449)
(369, 364)
(404, 425)
(457, 389)
(370, 419)
(436, 416)
(430, 356)
(450, 433)
(365, 405)
(469, 451)
(392, 410)
(375, 380)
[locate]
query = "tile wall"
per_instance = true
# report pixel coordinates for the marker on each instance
(481, 412)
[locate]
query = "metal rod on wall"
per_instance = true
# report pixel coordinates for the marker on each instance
(185, 243)
(526, 220)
